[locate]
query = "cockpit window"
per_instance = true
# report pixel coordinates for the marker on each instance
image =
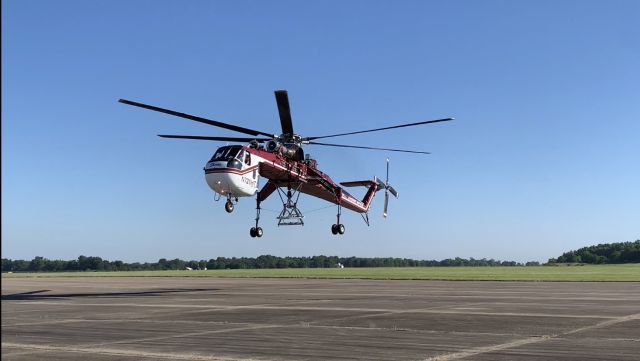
(225, 153)
(219, 154)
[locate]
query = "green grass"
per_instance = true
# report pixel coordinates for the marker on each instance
(623, 272)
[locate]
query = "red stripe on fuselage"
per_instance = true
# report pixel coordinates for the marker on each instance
(230, 170)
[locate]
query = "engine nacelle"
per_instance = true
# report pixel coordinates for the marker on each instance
(272, 146)
(288, 151)
(292, 151)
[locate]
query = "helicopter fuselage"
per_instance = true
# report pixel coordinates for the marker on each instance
(234, 172)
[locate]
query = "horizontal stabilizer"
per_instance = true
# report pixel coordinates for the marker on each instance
(362, 183)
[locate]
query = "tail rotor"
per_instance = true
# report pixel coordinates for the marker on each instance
(387, 189)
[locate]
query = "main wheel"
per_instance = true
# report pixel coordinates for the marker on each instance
(334, 229)
(259, 232)
(252, 232)
(341, 228)
(228, 207)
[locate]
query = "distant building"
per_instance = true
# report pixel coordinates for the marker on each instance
(340, 265)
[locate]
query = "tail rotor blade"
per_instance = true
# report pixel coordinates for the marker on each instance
(387, 171)
(386, 203)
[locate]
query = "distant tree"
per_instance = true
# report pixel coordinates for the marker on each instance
(193, 264)
(7, 265)
(176, 264)
(90, 263)
(21, 265)
(588, 257)
(118, 265)
(54, 265)
(37, 264)
(622, 252)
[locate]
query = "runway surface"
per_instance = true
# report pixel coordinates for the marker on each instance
(298, 319)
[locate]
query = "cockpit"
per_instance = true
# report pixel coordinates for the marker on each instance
(226, 153)
(233, 155)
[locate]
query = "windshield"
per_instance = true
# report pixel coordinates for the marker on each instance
(224, 153)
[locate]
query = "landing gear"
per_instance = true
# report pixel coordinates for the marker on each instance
(256, 232)
(228, 206)
(338, 228)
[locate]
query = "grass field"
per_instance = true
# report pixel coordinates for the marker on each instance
(624, 272)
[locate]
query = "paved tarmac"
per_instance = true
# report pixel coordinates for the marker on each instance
(299, 319)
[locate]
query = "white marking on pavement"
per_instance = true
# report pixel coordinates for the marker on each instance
(119, 352)
(530, 340)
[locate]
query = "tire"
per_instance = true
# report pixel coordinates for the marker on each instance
(228, 207)
(334, 229)
(252, 232)
(341, 228)
(259, 232)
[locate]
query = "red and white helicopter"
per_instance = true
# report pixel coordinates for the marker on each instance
(234, 170)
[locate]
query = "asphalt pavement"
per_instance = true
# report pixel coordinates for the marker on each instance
(156, 318)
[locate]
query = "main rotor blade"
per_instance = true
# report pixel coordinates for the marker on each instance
(385, 128)
(196, 118)
(282, 98)
(372, 148)
(223, 139)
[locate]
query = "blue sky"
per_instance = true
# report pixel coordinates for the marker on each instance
(543, 156)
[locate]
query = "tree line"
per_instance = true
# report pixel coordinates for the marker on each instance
(623, 252)
(606, 253)
(84, 263)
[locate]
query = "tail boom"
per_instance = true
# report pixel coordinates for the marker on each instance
(360, 206)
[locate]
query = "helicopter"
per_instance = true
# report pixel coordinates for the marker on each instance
(234, 170)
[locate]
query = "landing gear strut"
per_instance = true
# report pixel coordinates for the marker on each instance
(338, 228)
(257, 230)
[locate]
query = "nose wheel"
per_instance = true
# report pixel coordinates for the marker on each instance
(228, 206)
